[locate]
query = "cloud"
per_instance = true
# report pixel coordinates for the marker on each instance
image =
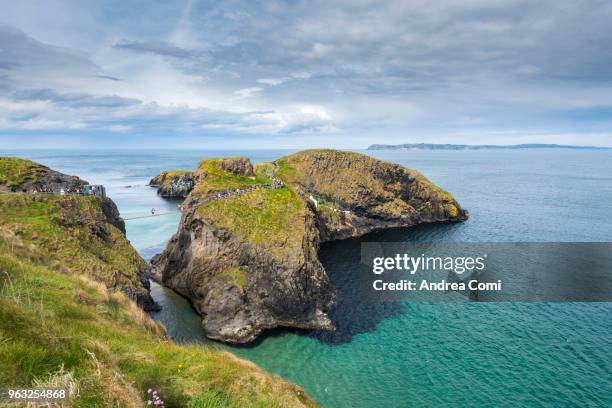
(110, 78)
(75, 100)
(154, 47)
(26, 58)
(273, 81)
(248, 92)
(389, 69)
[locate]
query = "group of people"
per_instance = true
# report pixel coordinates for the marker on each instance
(276, 183)
(47, 190)
(72, 190)
(67, 190)
(185, 207)
(83, 190)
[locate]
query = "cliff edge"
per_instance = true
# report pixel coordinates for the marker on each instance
(78, 232)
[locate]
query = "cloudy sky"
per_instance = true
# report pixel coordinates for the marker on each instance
(292, 74)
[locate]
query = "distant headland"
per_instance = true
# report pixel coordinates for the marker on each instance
(440, 146)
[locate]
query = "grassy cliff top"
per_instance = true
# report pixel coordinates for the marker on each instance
(176, 172)
(269, 218)
(74, 233)
(165, 177)
(212, 176)
(360, 181)
(66, 330)
(15, 171)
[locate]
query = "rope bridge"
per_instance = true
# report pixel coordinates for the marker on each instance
(150, 215)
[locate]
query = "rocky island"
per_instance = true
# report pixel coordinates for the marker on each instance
(173, 184)
(69, 286)
(246, 251)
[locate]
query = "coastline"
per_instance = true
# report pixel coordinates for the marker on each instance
(336, 368)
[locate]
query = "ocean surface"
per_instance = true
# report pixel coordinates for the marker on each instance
(417, 354)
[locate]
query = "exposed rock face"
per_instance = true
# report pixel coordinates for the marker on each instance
(240, 166)
(241, 285)
(177, 184)
(111, 212)
(249, 262)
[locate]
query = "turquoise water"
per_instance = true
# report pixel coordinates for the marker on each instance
(421, 355)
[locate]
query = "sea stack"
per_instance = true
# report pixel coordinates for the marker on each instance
(246, 251)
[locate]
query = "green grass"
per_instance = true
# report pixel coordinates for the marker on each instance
(72, 232)
(15, 171)
(63, 328)
(237, 276)
(347, 177)
(212, 178)
(286, 171)
(165, 177)
(177, 172)
(264, 168)
(264, 217)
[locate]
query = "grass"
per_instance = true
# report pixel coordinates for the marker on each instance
(73, 233)
(267, 218)
(165, 177)
(264, 168)
(15, 171)
(354, 180)
(177, 172)
(286, 170)
(213, 178)
(63, 327)
(237, 276)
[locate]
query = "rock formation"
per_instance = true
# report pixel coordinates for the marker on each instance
(245, 253)
(19, 175)
(177, 184)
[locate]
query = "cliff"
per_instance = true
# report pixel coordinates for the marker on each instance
(19, 175)
(245, 253)
(67, 318)
(176, 183)
(82, 233)
(354, 194)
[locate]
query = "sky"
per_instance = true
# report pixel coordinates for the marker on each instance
(296, 74)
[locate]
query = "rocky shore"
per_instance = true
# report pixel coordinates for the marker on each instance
(249, 262)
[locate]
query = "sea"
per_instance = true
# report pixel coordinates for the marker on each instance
(401, 354)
